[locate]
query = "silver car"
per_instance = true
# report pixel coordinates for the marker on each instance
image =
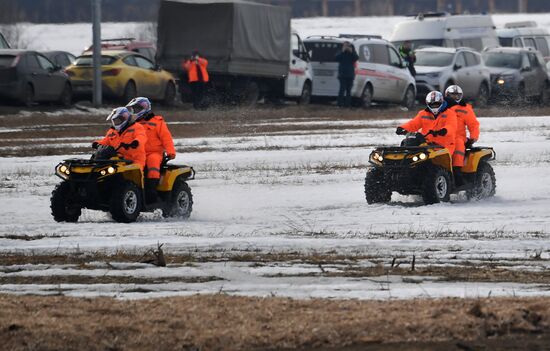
(437, 68)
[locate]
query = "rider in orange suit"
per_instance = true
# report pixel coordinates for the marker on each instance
(465, 119)
(122, 134)
(159, 140)
(435, 117)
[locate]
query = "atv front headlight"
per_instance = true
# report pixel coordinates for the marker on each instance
(422, 156)
(109, 170)
(377, 157)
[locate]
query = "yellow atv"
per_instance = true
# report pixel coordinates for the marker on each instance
(419, 168)
(109, 183)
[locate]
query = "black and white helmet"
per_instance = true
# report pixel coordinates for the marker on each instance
(435, 102)
(454, 92)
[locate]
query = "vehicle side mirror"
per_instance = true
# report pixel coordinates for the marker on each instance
(304, 56)
(457, 67)
(296, 52)
(156, 67)
(525, 68)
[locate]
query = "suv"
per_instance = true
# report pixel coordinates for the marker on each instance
(144, 48)
(437, 68)
(380, 75)
(517, 73)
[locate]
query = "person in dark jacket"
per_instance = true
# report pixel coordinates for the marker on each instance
(408, 56)
(346, 73)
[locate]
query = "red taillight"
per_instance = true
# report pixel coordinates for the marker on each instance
(111, 72)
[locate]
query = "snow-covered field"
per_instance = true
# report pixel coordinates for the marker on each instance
(298, 191)
(75, 37)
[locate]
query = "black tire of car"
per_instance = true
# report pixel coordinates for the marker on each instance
(130, 92)
(485, 183)
(28, 95)
(482, 95)
(66, 97)
(180, 204)
(521, 98)
(305, 98)
(169, 95)
(375, 187)
(125, 203)
(409, 100)
(436, 186)
(250, 94)
(366, 97)
(62, 210)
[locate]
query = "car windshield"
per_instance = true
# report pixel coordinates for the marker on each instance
(6, 60)
(323, 51)
(500, 59)
(433, 58)
(87, 60)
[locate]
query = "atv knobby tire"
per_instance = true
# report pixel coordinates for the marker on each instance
(485, 183)
(180, 204)
(60, 204)
(375, 187)
(125, 204)
(436, 186)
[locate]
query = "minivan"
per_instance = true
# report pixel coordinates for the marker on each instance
(441, 29)
(381, 75)
(525, 35)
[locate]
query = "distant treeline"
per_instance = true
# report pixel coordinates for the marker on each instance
(67, 11)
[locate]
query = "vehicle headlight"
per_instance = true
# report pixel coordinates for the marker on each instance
(504, 79)
(422, 156)
(433, 75)
(376, 156)
(63, 169)
(103, 172)
(415, 158)
(111, 170)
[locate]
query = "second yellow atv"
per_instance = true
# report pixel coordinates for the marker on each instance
(109, 183)
(419, 168)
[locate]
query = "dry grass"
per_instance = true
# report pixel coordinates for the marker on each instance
(219, 322)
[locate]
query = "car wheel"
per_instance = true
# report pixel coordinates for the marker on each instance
(130, 91)
(66, 97)
(543, 97)
(366, 97)
(482, 95)
(436, 186)
(169, 94)
(250, 94)
(28, 96)
(409, 99)
(305, 98)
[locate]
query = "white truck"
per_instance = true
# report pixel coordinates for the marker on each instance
(251, 49)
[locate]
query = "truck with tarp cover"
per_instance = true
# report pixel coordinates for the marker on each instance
(250, 48)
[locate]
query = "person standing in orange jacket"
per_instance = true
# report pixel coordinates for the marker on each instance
(436, 117)
(465, 119)
(159, 141)
(126, 137)
(197, 76)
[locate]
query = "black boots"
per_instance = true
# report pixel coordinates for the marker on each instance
(459, 180)
(151, 195)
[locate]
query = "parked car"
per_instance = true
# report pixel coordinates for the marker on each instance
(443, 29)
(59, 58)
(525, 34)
(381, 74)
(518, 73)
(125, 75)
(3, 42)
(29, 77)
(144, 48)
(438, 67)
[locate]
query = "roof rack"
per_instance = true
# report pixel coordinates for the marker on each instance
(360, 36)
(323, 37)
(521, 24)
(421, 15)
(118, 39)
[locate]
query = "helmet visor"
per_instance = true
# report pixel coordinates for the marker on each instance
(435, 105)
(455, 96)
(135, 109)
(118, 120)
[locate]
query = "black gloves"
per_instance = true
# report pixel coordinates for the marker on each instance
(400, 131)
(470, 143)
(441, 132)
(132, 145)
(95, 145)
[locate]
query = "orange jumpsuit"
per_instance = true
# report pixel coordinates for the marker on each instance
(465, 118)
(426, 121)
(191, 67)
(132, 132)
(159, 140)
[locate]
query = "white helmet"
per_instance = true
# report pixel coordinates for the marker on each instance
(454, 92)
(119, 118)
(435, 102)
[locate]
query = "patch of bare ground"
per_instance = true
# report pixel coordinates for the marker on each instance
(349, 266)
(219, 322)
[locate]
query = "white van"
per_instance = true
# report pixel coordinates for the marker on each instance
(525, 35)
(441, 29)
(380, 74)
(298, 82)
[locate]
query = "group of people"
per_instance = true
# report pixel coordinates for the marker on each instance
(141, 136)
(454, 122)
